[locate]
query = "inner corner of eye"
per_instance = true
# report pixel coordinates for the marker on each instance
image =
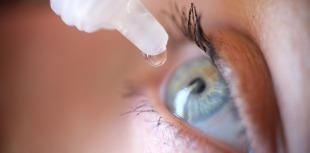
(198, 95)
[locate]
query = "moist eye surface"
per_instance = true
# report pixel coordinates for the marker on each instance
(199, 96)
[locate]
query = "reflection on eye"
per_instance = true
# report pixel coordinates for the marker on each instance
(198, 95)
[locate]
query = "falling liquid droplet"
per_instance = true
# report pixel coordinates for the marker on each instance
(157, 60)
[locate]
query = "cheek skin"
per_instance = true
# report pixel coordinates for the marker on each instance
(253, 88)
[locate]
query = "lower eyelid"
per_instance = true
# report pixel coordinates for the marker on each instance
(160, 131)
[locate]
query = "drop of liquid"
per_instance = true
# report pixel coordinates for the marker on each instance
(157, 60)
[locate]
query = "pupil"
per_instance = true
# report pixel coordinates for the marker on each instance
(199, 85)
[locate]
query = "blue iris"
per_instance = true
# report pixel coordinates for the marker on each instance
(196, 91)
(198, 94)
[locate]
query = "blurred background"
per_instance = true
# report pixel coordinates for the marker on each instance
(61, 88)
(14, 2)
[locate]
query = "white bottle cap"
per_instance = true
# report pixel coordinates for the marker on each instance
(129, 17)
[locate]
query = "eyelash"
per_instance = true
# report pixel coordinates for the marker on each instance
(190, 26)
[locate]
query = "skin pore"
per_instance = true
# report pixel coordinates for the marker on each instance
(62, 89)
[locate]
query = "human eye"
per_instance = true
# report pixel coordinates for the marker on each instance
(217, 97)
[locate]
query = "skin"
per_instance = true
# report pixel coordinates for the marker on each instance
(61, 89)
